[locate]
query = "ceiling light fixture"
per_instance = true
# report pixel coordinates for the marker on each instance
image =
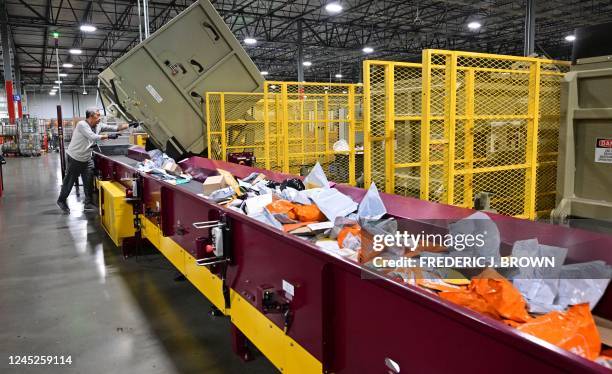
(250, 41)
(63, 74)
(57, 82)
(307, 63)
(570, 38)
(474, 25)
(88, 28)
(55, 87)
(264, 73)
(52, 93)
(338, 75)
(333, 8)
(368, 49)
(67, 65)
(75, 51)
(84, 92)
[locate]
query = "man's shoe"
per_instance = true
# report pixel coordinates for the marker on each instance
(89, 207)
(64, 207)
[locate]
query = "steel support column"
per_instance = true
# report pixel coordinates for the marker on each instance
(530, 16)
(300, 53)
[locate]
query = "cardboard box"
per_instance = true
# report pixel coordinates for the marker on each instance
(172, 167)
(230, 181)
(213, 183)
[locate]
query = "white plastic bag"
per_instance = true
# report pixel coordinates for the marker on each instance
(478, 224)
(316, 178)
(371, 206)
(583, 282)
(341, 146)
(351, 242)
(333, 203)
(538, 285)
(294, 196)
(267, 218)
(221, 194)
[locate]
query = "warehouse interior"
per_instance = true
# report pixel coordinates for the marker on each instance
(305, 186)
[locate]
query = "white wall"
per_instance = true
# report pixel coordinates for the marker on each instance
(42, 105)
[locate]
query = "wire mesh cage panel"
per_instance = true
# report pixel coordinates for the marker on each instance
(237, 123)
(449, 129)
(463, 123)
(289, 127)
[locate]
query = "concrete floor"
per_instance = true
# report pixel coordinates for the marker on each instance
(66, 290)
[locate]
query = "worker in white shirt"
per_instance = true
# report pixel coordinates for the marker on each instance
(78, 156)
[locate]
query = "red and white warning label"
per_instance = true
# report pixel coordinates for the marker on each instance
(603, 150)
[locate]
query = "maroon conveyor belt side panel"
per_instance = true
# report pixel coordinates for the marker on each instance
(352, 324)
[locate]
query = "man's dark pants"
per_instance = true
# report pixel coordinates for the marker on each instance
(75, 168)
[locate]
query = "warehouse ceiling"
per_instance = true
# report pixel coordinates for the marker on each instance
(395, 29)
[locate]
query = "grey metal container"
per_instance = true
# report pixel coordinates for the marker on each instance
(163, 81)
(584, 175)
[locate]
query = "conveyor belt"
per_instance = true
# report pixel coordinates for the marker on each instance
(332, 299)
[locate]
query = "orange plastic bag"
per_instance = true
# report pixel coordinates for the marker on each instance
(573, 330)
(493, 295)
(282, 207)
(353, 229)
(308, 213)
(294, 226)
(471, 300)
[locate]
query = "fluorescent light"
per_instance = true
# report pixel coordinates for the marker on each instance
(84, 92)
(55, 87)
(63, 74)
(88, 28)
(307, 63)
(273, 86)
(368, 49)
(264, 73)
(67, 65)
(52, 93)
(474, 25)
(250, 41)
(333, 8)
(58, 82)
(75, 51)
(570, 38)
(338, 75)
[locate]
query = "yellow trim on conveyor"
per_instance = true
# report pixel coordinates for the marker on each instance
(284, 353)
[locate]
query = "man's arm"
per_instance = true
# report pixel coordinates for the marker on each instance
(88, 133)
(113, 128)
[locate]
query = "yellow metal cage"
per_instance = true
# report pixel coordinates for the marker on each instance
(456, 125)
(462, 123)
(290, 126)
